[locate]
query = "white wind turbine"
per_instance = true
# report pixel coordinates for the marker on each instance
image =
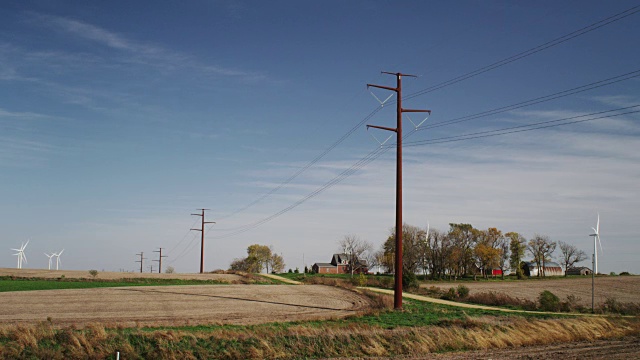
(58, 258)
(596, 238)
(50, 256)
(20, 254)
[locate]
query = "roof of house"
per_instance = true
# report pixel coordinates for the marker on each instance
(339, 258)
(548, 264)
(324, 265)
(578, 268)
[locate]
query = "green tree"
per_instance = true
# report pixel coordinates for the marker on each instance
(517, 246)
(412, 237)
(277, 263)
(261, 255)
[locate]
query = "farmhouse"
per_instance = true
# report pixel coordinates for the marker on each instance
(340, 264)
(550, 269)
(581, 270)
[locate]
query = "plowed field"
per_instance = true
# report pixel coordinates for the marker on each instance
(112, 275)
(621, 288)
(180, 305)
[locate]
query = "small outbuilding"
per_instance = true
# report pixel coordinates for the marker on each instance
(530, 268)
(581, 270)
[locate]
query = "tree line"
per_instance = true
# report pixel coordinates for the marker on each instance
(464, 250)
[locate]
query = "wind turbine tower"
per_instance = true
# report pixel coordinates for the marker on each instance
(58, 258)
(596, 238)
(20, 254)
(50, 256)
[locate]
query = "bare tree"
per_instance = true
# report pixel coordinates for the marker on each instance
(356, 250)
(570, 255)
(542, 248)
(535, 246)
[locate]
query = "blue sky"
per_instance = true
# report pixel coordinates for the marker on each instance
(119, 119)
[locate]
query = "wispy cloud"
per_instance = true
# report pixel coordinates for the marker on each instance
(141, 52)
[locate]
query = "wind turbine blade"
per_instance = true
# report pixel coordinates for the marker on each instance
(602, 251)
(598, 225)
(25, 245)
(61, 252)
(24, 257)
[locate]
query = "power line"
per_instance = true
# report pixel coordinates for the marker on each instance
(373, 155)
(523, 128)
(184, 237)
(541, 99)
(557, 41)
(500, 63)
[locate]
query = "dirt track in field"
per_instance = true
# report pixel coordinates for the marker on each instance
(611, 349)
(180, 305)
(112, 275)
(622, 288)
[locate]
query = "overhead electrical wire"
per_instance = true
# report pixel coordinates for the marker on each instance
(557, 41)
(508, 60)
(525, 127)
(373, 155)
(560, 94)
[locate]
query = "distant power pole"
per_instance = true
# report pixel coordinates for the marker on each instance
(202, 238)
(151, 268)
(160, 256)
(397, 292)
(141, 260)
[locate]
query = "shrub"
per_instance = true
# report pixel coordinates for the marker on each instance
(572, 303)
(169, 270)
(625, 273)
(362, 280)
(499, 299)
(93, 273)
(611, 305)
(449, 295)
(409, 281)
(613, 273)
(463, 291)
(549, 301)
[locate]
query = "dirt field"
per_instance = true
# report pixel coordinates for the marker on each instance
(76, 274)
(180, 305)
(619, 349)
(622, 288)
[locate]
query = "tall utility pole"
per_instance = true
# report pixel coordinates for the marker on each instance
(141, 259)
(160, 256)
(397, 291)
(202, 238)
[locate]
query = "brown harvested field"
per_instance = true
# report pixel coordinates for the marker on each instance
(180, 305)
(622, 288)
(112, 275)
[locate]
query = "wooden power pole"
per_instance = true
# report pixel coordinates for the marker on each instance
(141, 260)
(202, 238)
(397, 291)
(160, 256)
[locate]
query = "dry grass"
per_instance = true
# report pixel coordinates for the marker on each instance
(300, 341)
